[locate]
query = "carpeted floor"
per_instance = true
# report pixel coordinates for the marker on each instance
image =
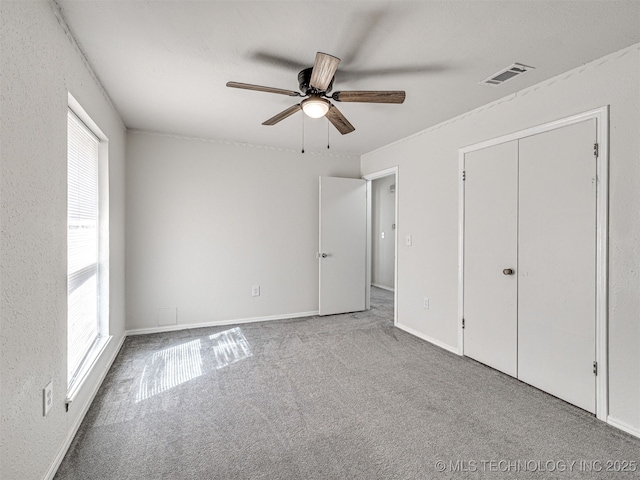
(339, 397)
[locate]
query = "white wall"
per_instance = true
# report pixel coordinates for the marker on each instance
(207, 220)
(383, 217)
(39, 65)
(428, 207)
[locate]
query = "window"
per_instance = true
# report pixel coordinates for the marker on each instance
(84, 233)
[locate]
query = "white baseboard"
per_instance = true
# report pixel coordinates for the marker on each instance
(217, 323)
(426, 338)
(384, 287)
(625, 427)
(74, 429)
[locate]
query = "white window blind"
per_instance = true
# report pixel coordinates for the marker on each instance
(83, 328)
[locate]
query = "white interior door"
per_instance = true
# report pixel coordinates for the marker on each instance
(490, 247)
(343, 240)
(557, 259)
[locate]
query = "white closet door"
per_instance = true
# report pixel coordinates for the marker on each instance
(490, 246)
(557, 259)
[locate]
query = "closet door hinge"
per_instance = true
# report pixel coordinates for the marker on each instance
(463, 322)
(596, 150)
(595, 368)
(464, 175)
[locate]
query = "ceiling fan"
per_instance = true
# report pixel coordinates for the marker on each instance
(315, 84)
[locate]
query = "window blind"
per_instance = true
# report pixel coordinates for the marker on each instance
(82, 244)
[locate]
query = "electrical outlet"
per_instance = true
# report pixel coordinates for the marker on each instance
(425, 303)
(255, 291)
(47, 398)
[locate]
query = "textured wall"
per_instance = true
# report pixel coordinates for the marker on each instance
(39, 65)
(383, 217)
(428, 206)
(207, 220)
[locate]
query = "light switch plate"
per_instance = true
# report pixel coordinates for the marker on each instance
(408, 240)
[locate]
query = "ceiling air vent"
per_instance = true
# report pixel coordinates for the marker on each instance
(506, 74)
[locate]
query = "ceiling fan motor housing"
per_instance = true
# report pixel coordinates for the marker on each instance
(304, 78)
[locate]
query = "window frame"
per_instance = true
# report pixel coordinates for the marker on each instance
(93, 353)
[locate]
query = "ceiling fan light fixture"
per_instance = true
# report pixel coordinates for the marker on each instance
(315, 107)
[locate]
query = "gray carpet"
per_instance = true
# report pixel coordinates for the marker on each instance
(339, 397)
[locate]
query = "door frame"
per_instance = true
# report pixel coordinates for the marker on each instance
(369, 178)
(601, 115)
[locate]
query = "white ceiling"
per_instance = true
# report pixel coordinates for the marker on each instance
(165, 63)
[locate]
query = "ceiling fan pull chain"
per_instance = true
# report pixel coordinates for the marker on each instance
(302, 133)
(328, 129)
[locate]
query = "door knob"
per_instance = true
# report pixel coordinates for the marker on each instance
(508, 271)
(323, 255)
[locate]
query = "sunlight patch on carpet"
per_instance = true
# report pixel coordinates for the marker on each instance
(230, 347)
(169, 368)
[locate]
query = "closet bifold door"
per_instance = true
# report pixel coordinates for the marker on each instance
(490, 256)
(557, 263)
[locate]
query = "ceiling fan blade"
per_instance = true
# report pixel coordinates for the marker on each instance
(282, 115)
(370, 96)
(260, 88)
(324, 69)
(272, 59)
(339, 121)
(362, 73)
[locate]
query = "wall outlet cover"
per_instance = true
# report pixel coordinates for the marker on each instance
(47, 398)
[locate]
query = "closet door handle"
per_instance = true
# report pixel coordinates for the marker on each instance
(508, 271)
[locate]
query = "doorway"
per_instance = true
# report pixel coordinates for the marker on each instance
(382, 244)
